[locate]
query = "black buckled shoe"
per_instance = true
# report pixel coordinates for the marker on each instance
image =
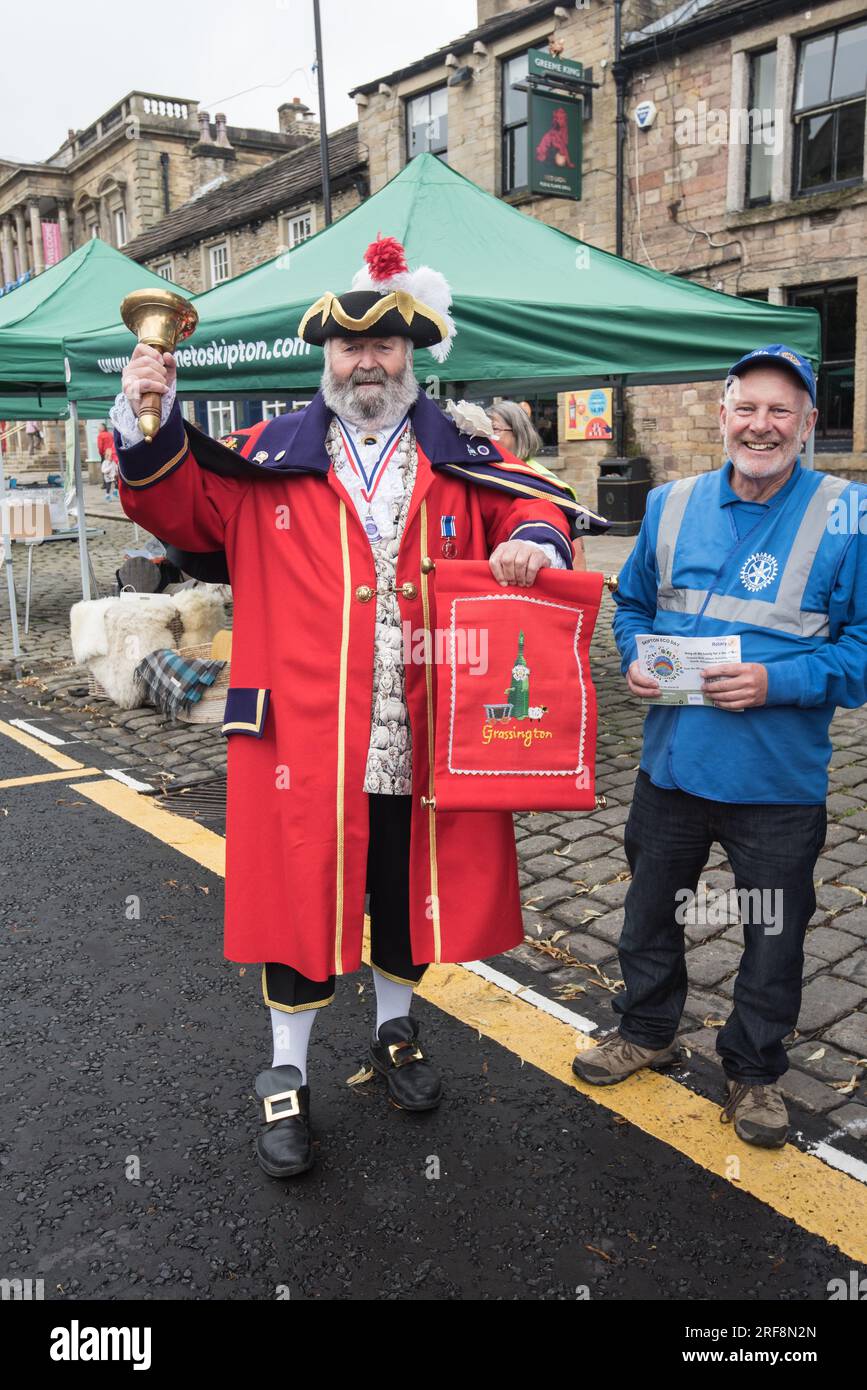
(412, 1082)
(284, 1146)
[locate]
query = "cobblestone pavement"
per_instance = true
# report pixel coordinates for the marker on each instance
(573, 870)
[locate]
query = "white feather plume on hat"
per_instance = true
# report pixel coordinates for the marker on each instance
(428, 286)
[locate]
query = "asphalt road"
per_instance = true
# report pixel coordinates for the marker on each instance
(128, 1121)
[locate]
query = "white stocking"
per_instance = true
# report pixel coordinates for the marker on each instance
(392, 1000)
(291, 1036)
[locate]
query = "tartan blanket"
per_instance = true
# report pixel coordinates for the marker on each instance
(172, 682)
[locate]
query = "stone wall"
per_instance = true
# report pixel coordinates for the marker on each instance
(248, 246)
(474, 149)
(687, 215)
(684, 208)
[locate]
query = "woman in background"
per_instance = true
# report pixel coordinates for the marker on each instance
(512, 424)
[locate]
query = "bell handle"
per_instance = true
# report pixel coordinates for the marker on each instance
(150, 414)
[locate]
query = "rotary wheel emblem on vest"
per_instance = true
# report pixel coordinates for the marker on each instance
(759, 571)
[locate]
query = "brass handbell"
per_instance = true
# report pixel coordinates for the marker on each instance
(162, 319)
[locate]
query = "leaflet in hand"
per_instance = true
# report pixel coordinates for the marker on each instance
(677, 662)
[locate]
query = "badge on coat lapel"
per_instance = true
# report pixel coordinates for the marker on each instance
(447, 531)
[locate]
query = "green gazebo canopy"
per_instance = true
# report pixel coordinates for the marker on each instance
(79, 293)
(532, 305)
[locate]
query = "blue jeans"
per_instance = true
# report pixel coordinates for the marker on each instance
(774, 848)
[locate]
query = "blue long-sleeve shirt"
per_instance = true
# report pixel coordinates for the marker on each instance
(777, 752)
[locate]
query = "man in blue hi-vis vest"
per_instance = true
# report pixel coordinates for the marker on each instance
(776, 555)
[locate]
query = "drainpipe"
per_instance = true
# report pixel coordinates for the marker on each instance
(620, 80)
(323, 129)
(164, 162)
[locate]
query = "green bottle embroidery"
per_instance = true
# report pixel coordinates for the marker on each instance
(518, 694)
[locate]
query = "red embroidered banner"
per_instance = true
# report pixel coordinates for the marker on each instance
(516, 707)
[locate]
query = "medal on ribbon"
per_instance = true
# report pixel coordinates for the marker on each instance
(447, 531)
(371, 479)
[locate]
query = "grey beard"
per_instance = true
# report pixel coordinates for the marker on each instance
(757, 472)
(372, 408)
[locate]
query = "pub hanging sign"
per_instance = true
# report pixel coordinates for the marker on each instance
(555, 133)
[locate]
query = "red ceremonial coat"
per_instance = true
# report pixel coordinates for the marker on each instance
(299, 708)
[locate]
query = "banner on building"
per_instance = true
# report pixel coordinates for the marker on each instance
(554, 155)
(589, 414)
(51, 243)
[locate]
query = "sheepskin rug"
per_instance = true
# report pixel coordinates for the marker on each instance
(202, 613)
(130, 630)
(87, 628)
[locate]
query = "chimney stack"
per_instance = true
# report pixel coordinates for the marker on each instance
(294, 118)
(222, 135)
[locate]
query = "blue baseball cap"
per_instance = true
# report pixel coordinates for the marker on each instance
(780, 356)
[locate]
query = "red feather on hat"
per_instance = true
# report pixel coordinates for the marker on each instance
(385, 257)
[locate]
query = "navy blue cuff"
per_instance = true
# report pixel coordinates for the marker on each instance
(145, 464)
(246, 710)
(543, 533)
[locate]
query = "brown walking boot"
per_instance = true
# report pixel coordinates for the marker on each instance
(759, 1114)
(613, 1061)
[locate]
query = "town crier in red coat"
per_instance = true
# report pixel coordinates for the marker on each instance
(328, 523)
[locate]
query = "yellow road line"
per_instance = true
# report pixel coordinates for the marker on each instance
(820, 1199)
(50, 777)
(186, 836)
(36, 745)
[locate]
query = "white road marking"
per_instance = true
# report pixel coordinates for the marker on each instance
(41, 734)
(837, 1159)
(548, 1006)
(120, 776)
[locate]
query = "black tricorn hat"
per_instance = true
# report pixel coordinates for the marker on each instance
(369, 312)
(386, 299)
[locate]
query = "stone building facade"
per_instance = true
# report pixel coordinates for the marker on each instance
(750, 181)
(126, 172)
(721, 213)
(474, 121)
(771, 205)
(238, 225)
(129, 172)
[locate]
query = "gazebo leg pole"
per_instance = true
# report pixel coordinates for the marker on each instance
(7, 560)
(79, 498)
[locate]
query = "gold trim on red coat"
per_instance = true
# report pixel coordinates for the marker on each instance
(341, 737)
(428, 677)
(506, 483)
(166, 467)
(292, 1008)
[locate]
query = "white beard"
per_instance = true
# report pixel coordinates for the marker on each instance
(373, 409)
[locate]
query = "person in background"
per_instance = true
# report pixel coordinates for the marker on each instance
(104, 440)
(514, 427)
(109, 473)
(34, 435)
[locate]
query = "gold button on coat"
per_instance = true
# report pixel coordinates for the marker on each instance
(364, 593)
(408, 590)
(427, 565)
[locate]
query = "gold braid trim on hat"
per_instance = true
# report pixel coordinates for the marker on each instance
(406, 304)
